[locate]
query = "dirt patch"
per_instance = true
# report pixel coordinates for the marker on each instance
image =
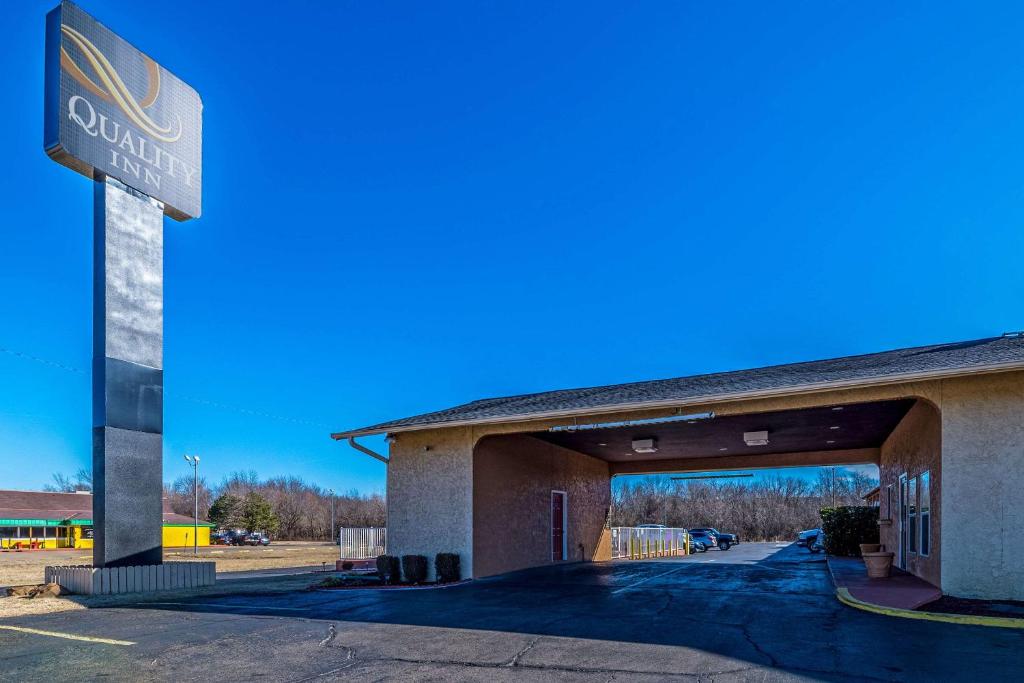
(979, 608)
(16, 607)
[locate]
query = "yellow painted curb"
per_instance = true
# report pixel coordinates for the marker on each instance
(844, 597)
(66, 636)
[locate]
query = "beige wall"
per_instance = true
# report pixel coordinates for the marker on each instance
(915, 446)
(983, 487)
(513, 477)
(430, 495)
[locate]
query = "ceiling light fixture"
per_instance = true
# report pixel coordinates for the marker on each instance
(756, 438)
(834, 427)
(838, 408)
(723, 449)
(645, 445)
(830, 441)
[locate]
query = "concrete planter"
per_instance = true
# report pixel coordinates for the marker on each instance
(870, 548)
(87, 580)
(879, 564)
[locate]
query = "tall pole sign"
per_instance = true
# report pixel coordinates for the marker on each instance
(115, 115)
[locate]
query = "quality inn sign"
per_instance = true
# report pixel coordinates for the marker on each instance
(111, 110)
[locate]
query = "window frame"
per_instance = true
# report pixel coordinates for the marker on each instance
(912, 515)
(925, 513)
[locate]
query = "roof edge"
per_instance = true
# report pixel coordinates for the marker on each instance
(812, 388)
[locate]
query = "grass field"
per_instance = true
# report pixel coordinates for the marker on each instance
(17, 568)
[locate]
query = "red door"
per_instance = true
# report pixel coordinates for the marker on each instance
(557, 526)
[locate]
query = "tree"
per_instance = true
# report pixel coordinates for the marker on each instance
(226, 511)
(257, 515)
(82, 481)
(181, 496)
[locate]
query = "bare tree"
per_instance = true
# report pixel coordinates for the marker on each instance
(773, 508)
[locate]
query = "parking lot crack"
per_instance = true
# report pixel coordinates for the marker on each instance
(757, 648)
(515, 658)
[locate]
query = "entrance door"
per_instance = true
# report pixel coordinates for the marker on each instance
(558, 517)
(904, 527)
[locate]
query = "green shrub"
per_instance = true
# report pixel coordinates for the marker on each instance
(847, 527)
(415, 568)
(388, 569)
(447, 567)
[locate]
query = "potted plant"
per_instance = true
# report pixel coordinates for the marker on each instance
(870, 548)
(878, 564)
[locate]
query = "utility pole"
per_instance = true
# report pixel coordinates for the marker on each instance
(332, 515)
(194, 461)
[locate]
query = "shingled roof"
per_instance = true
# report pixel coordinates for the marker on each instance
(59, 507)
(991, 354)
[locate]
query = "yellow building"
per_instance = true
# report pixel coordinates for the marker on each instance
(38, 519)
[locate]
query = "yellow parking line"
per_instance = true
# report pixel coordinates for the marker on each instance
(67, 636)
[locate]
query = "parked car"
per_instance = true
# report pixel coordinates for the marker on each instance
(697, 546)
(818, 544)
(723, 541)
(257, 538)
(705, 539)
(235, 536)
(805, 538)
(220, 538)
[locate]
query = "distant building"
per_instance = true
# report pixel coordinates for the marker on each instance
(872, 497)
(38, 519)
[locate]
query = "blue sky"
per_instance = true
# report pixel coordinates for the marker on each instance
(409, 206)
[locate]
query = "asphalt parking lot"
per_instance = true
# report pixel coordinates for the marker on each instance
(758, 612)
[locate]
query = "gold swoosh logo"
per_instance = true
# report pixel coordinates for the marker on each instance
(111, 87)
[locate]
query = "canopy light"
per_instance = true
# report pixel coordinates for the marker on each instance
(645, 445)
(692, 418)
(756, 438)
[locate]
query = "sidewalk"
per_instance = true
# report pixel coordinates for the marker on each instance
(900, 591)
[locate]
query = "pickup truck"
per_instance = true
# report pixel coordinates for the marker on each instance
(725, 541)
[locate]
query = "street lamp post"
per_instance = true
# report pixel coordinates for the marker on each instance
(194, 461)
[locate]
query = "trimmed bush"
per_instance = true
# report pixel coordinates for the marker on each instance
(447, 567)
(388, 569)
(847, 527)
(415, 568)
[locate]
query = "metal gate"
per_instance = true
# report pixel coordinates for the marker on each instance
(362, 543)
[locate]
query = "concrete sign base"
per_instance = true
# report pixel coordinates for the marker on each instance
(88, 580)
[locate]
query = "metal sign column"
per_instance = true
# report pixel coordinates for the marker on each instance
(127, 376)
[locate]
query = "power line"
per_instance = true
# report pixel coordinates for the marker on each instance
(214, 404)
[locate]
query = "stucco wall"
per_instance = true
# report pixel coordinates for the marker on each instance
(983, 486)
(915, 446)
(430, 495)
(513, 477)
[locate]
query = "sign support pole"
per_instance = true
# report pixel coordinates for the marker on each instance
(127, 376)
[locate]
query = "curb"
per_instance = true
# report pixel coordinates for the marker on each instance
(843, 595)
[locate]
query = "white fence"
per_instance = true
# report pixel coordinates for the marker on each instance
(362, 543)
(639, 542)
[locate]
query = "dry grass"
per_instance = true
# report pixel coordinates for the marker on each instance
(27, 567)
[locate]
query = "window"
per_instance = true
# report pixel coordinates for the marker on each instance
(926, 513)
(912, 514)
